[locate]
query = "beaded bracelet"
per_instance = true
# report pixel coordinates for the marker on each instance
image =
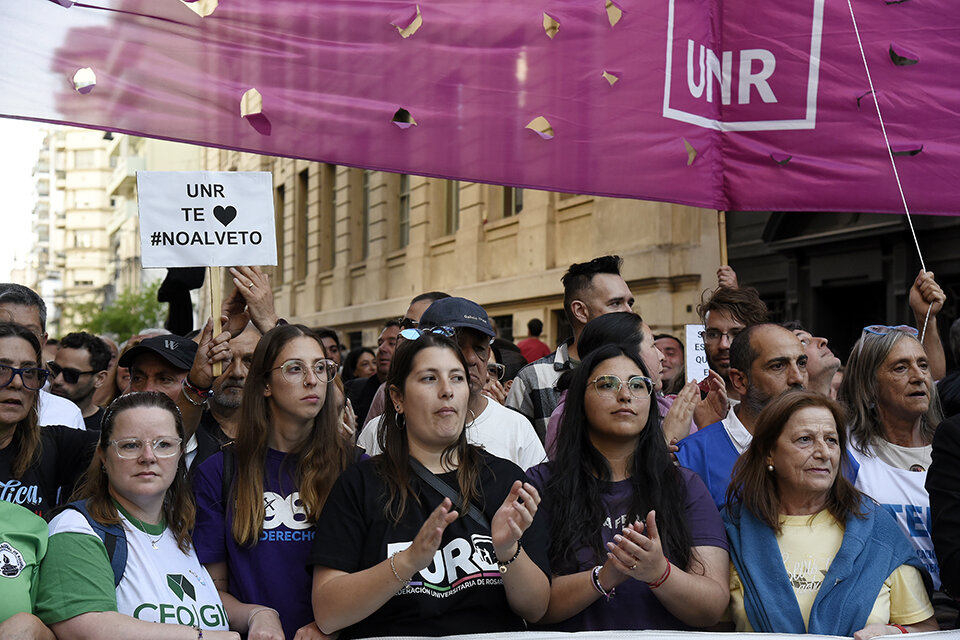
(199, 631)
(393, 567)
(503, 565)
(595, 577)
(659, 581)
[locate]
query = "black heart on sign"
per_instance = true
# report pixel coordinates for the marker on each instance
(224, 214)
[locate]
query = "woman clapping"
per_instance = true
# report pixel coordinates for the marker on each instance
(434, 536)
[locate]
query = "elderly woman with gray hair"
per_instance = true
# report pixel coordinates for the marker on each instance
(894, 410)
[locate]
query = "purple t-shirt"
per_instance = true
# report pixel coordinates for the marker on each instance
(272, 572)
(634, 606)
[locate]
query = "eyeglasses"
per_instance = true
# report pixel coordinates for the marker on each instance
(130, 448)
(32, 377)
(609, 386)
(294, 371)
(70, 375)
(496, 370)
(408, 323)
(714, 335)
(415, 333)
(882, 329)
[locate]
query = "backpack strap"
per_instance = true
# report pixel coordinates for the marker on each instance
(113, 537)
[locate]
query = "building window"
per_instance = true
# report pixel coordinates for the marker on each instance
(280, 202)
(504, 326)
(451, 207)
(404, 204)
(365, 213)
(512, 201)
(328, 216)
(84, 158)
(301, 231)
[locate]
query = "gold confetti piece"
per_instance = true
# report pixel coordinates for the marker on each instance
(541, 127)
(609, 77)
(202, 8)
(410, 29)
(403, 119)
(84, 80)
(614, 13)
(550, 26)
(691, 152)
(251, 103)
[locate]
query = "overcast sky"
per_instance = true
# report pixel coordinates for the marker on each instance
(19, 144)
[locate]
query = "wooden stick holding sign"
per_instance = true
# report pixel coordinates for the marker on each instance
(722, 231)
(215, 274)
(210, 219)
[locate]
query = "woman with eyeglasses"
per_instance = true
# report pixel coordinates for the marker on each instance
(258, 500)
(434, 536)
(141, 568)
(36, 464)
(894, 411)
(635, 541)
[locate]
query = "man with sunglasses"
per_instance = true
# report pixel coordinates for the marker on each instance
(502, 432)
(410, 320)
(78, 370)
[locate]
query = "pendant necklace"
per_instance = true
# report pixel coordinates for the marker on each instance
(143, 527)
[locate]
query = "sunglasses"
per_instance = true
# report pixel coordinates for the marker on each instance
(882, 330)
(414, 333)
(32, 378)
(70, 375)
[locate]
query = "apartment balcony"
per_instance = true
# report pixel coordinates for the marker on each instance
(124, 176)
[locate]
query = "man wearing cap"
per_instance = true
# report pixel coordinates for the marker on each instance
(502, 432)
(161, 363)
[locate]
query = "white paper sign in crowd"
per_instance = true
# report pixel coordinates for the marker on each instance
(206, 218)
(695, 354)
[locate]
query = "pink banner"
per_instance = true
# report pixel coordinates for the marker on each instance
(739, 106)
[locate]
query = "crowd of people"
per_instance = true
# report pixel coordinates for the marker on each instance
(267, 483)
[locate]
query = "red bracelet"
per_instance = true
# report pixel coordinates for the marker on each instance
(902, 628)
(659, 581)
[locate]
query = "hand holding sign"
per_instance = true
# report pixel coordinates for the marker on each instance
(252, 300)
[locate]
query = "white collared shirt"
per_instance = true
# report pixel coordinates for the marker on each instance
(738, 433)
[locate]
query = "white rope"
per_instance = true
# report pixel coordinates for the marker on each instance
(893, 162)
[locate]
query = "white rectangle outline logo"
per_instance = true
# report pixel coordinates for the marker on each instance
(813, 79)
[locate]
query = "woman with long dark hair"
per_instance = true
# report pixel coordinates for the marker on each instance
(258, 500)
(636, 542)
(433, 536)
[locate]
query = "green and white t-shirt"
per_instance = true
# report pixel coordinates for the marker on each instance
(23, 541)
(161, 583)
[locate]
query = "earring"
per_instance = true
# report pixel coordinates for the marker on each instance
(474, 419)
(401, 421)
(770, 468)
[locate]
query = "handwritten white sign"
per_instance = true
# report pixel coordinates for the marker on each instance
(696, 355)
(206, 218)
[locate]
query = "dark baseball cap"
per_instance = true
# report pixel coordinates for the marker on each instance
(457, 312)
(176, 350)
